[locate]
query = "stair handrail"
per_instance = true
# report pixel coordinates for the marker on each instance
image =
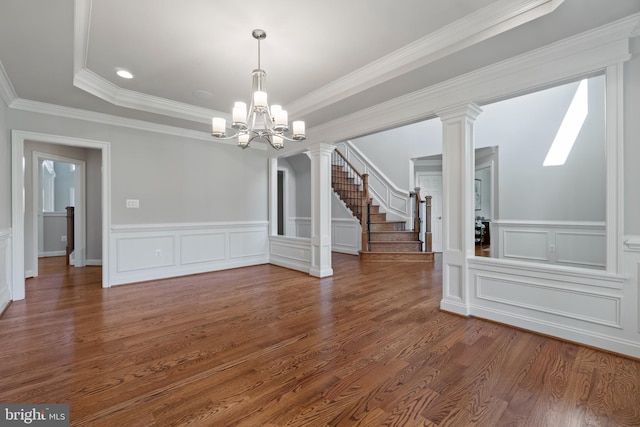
(392, 199)
(363, 203)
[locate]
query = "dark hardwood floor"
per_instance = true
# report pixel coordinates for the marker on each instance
(267, 346)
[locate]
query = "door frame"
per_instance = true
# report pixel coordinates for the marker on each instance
(433, 173)
(80, 213)
(18, 138)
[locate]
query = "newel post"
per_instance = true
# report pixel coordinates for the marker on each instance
(364, 203)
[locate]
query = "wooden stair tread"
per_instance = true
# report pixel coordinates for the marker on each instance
(397, 256)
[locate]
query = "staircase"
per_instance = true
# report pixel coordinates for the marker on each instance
(385, 240)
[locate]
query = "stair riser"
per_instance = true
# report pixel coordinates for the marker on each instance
(395, 246)
(397, 256)
(386, 226)
(394, 236)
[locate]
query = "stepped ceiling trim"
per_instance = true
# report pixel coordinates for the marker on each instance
(588, 52)
(486, 22)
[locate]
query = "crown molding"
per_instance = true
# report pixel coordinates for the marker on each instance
(90, 82)
(585, 53)
(107, 119)
(486, 22)
(7, 93)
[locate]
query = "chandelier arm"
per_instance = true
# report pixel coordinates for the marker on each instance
(228, 137)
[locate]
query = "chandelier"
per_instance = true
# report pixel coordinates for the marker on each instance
(262, 122)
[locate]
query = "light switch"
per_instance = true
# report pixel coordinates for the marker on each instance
(133, 203)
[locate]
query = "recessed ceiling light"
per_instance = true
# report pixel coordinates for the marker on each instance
(124, 74)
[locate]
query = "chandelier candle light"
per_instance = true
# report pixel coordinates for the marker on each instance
(262, 122)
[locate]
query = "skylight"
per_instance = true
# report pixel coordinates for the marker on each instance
(570, 127)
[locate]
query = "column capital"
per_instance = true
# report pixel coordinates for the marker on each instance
(469, 110)
(321, 147)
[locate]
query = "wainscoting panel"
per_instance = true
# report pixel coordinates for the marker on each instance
(243, 244)
(581, 249)
(290, 252)
(143, 253)
(570, 243)
(196, 248)
(587, 306)
(526, 244)
(149, 252)
(599, 308)
(6, 271)
(346, 236)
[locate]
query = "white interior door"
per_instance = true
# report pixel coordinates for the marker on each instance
(431, 185)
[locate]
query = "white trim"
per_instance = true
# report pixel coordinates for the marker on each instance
(632, 243)
(7, 92)
(155, 251)
(290, 252)
(47, 255)
(480, 25)
(5, 265)
(92, 83)
(18, 137)
(564, 331)
(108, 119)
(570, 58)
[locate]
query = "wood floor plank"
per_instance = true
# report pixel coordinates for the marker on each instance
(268, 346)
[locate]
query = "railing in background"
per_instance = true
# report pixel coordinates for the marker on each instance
(422, 218)
(353, 188)
(70, 232)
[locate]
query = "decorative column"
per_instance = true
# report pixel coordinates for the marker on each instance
(320, 155)
(458, 171)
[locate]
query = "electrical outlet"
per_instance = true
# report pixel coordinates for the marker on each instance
(64, 239)
(158, 253)
(133, 203)
(552, 248)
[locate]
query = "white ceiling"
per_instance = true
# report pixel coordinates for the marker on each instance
(323, 59)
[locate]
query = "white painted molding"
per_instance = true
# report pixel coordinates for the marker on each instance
(632, 243)
(51, 254)
(595, 225)
(108, 119)
(290, 252)
(103, 89)
(7, 92)
(171, 227)
(155, 251)
(484, 23)
(493, 19)
(18, 138)
(560, 330)
(6, 268)
(575, 56)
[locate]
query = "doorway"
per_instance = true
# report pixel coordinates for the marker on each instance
(19, 196)
(49, 199)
